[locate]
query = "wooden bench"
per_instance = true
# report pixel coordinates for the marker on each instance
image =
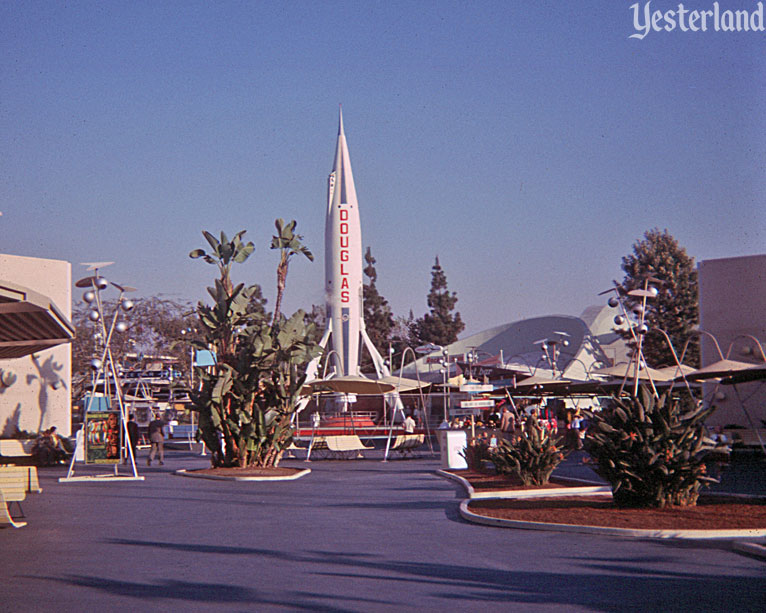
(316, 444)
(292, 448)
(182, 431)
(407, 443)
(14, 448)
(346, 445)
(747, 437)
(15, 483)
(187, 431)
(340, 446)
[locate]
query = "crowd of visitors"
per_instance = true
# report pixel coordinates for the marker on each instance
(508, 419)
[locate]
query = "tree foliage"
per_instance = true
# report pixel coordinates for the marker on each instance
(289, 244)
(440, 325)
(378, 318)
(155, 326)
(318, 318)
(403, 335)
(249, 397)
(675, 308)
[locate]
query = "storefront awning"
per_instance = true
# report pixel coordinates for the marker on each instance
(29, 322)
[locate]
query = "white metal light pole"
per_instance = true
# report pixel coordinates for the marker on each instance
(104, 367)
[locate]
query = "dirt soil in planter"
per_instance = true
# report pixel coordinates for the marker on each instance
(248, 472)
(712, 512)
(485, 482)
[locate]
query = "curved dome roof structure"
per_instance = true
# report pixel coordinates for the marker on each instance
(574, 345)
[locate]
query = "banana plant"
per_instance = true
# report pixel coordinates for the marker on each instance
(289, 244)
(247, 398)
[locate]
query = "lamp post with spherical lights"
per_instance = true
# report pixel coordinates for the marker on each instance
(635, 320)
(103, 367)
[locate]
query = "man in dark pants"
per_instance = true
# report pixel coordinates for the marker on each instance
(132, 435)
(157, 439)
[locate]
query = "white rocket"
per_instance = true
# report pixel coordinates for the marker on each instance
(343, 272)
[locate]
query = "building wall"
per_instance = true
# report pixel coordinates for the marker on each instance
(41, 395)
(732, 295)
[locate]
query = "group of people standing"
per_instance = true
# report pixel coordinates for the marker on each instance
(50, 448)
(156, 435)
(509, 418)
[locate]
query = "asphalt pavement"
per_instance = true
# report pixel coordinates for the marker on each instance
(354, 535)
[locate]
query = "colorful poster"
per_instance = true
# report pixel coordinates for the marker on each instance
(103, 437)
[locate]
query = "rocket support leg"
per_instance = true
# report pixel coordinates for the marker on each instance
(311, 370)
(392, 399)
(377, 359)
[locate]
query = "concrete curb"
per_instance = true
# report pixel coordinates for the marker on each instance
(757, 550)
(608, 531)
(99, 479)
(184, 473)
(744, 547)
(588, 488)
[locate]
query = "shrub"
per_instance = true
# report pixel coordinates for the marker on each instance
(475, 453)
(652, 451)
(533, 455)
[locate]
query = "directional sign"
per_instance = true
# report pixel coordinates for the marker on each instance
(477, 388)
(464, 412)
(428, 348)
(487, 403)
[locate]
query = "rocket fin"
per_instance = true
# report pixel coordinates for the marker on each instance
(312, 369)
(392, 399)
(380, 366)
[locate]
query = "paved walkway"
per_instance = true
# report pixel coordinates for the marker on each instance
(351, 536)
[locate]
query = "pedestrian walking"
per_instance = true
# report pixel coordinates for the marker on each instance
(157, 440)
(132, 435)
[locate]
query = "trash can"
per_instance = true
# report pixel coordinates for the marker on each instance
(452, 443)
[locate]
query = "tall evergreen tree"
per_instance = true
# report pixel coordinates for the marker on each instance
(675, 308)
(440, 326)
(318, 317)
(403, 336)
(257, 303)
(378, 319)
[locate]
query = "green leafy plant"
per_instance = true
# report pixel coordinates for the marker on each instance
(475, 453)
(248, 398)
(651, 450)
(533, 455)
(289, 244)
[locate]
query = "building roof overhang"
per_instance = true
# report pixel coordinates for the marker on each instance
(29, 322)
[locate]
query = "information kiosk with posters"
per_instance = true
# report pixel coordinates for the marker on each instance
(103, 439)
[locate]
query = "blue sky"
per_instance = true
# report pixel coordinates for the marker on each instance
(527, 144)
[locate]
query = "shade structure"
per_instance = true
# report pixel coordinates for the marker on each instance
(719, 369)
(755, 373)
(404, 384)
(675, 372)
(541, 382)
(628, 371)
(348, 384)
(29, 322)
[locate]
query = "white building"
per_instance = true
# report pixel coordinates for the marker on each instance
(35, 354)
(732, 300)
